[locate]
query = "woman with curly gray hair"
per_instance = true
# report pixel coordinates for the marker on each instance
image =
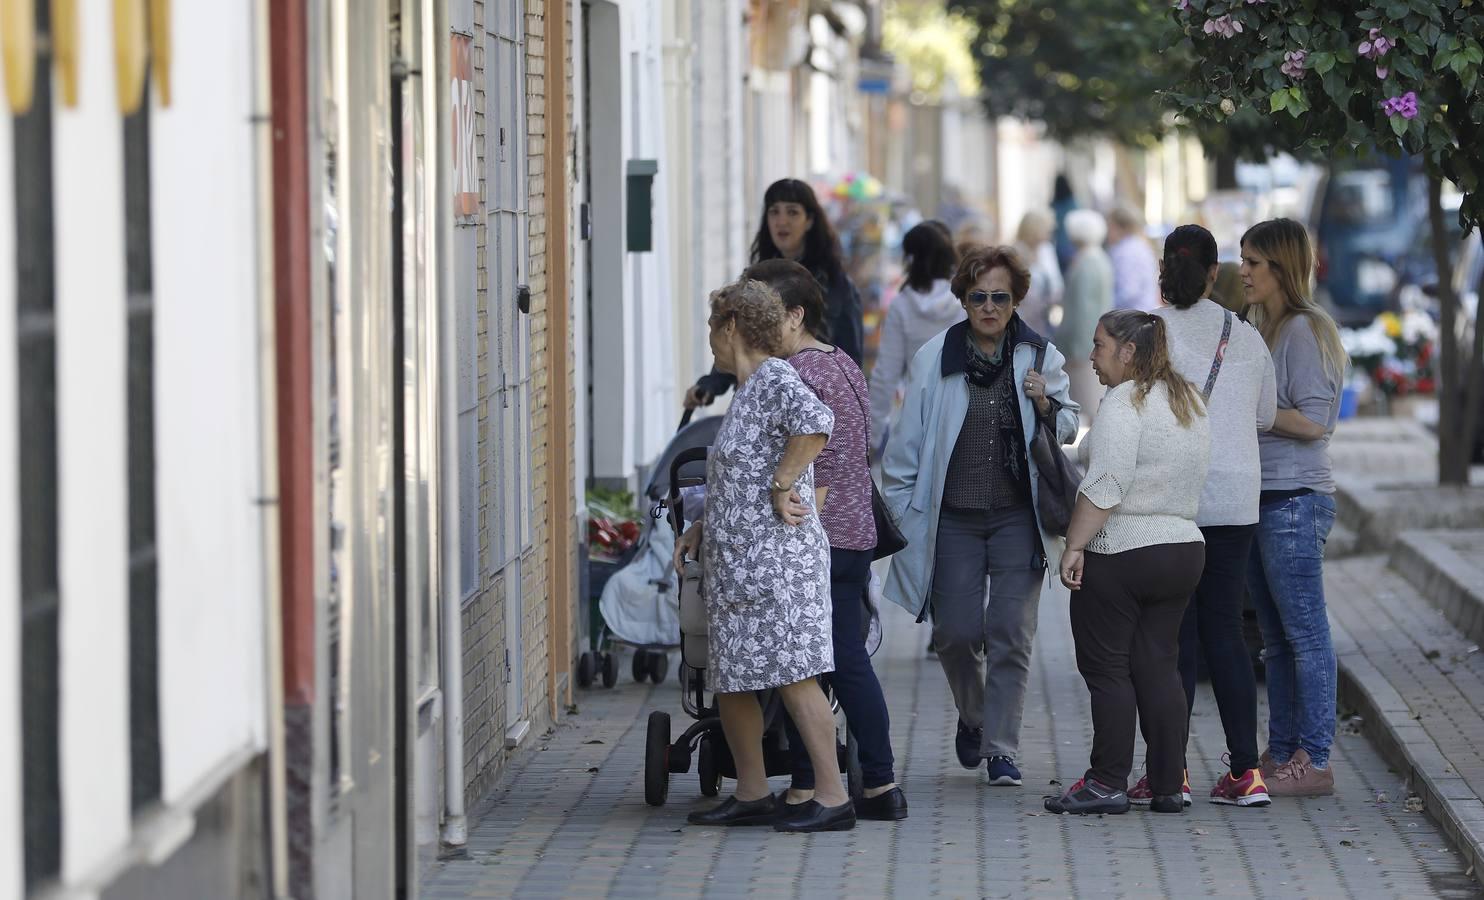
(766, 564)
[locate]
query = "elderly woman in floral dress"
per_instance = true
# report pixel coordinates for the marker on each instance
(766, 564)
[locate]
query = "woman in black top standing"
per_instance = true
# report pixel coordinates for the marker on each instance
(794, 226)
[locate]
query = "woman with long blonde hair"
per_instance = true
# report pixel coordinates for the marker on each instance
(1134, 555)
(1296, 508)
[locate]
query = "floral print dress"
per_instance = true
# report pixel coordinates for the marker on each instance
(766, 584)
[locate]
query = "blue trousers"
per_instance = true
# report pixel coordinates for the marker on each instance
(854, 681)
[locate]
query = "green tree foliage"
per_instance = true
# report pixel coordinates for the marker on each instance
(1080, 66)
(1400, 76)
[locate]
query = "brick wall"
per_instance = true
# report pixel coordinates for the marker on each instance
(486, 716)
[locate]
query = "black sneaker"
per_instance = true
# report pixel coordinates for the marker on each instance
(967, 742)
(1167, 803)
(1088, 798)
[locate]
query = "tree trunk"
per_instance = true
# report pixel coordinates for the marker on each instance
(1453, 454)
(1473, 400)
(1226, 170)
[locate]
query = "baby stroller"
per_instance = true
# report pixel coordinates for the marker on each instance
(704, 739)
(633, 599)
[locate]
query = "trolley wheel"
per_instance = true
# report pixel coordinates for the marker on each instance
(587, 668)
(706, 767)
(610, 670)
(657, 759)
(659, 666)
(641, 664)
(854, 780)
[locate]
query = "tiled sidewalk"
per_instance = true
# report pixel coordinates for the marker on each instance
(571, 821)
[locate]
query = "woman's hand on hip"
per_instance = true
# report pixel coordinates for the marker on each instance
(790, 507)
(1035, 391)
(688, 546)
(1071, 569)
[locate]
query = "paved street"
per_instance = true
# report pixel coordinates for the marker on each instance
(571, 819)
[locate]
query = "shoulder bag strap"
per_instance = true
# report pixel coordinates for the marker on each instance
(1226, 335)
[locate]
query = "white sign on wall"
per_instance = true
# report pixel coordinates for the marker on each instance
(465, 164)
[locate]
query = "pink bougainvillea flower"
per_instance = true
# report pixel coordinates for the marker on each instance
(1183, 4)
(1382, 72)
(1376, 45)
(1225, 26)
(1405, 105)
(1293, 64)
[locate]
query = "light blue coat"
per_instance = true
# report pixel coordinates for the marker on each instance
(915, 464)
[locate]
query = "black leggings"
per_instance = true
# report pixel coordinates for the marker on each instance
(1126, 624)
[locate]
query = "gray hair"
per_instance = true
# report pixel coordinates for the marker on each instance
(1086, 227)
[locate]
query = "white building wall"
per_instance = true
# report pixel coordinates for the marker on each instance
(92, 450)
(212, 628)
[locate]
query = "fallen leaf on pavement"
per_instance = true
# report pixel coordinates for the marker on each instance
(592, 768)
(1415, 804)
(593, 741)
(1200, 831)
(1347, 843)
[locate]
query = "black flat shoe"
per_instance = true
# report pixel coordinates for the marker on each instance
(782, 806)
(1167, 803)
(732, 811)
(813, 817)
(888, 807)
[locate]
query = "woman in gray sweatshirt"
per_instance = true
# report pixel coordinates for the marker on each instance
(923, 309)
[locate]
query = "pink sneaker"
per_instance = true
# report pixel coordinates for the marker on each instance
(1249, 790)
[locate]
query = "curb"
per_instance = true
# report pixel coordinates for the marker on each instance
(1387, 721)
(1432, 566)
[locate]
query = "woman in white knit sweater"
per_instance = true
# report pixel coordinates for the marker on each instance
(1229, 361)
(1133, 556)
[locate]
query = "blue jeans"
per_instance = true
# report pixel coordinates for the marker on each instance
(1286, 578)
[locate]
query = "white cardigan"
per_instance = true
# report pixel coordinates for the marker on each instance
(1147, 468)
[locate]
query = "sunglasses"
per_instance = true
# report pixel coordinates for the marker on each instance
(977, 299)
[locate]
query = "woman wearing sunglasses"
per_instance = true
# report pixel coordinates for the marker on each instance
(958, 476)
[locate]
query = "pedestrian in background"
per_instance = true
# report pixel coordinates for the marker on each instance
(766, 564)
(1088, 294)
(924, 307)
(1296, 508)
(1133, 556)
(1063, 201)
(1228, 360)
(1135, 270)
(1033, 243)
(958, 475)
(794, 226)
(842, 488)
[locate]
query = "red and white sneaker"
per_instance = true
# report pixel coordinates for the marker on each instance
(1249, 790)
(1141, 795)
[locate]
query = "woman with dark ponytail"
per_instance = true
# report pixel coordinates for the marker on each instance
(1133, 556)
(1228, 360)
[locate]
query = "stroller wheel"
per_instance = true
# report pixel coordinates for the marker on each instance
(657, 759)
(610, 670)
(706, 767)
(587, 668)
(659, 666)
(640, 667)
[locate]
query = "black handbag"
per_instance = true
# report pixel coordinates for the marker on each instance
(889, 537)
(1057, 477)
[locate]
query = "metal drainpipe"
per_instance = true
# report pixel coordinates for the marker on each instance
(455, 833)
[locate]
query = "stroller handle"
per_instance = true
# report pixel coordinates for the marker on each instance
(685, 418)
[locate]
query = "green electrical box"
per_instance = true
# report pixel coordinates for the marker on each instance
(640, 175)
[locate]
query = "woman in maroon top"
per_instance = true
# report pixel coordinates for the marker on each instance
(842, 483)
